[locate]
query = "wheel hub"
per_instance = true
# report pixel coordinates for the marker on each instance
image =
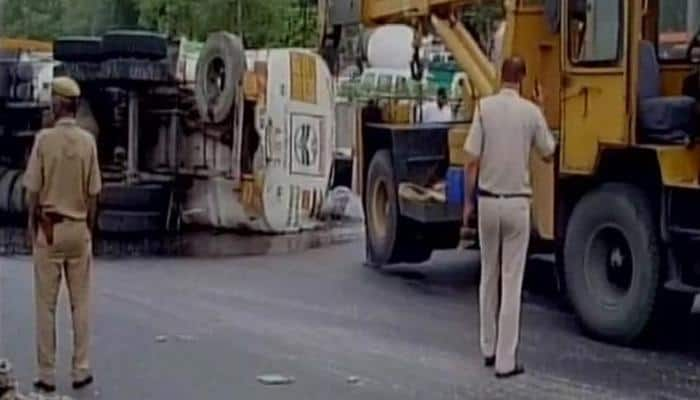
(610, 263)
(216, 78)
(617, 259)
(381, 208)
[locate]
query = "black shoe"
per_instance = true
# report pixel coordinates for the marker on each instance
(44, 387)
(490, 362)
(84, 383)
(519, 370)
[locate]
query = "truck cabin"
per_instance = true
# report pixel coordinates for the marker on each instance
(668, 88)
(669, 82)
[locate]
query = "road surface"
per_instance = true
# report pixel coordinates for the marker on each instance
(340, 330)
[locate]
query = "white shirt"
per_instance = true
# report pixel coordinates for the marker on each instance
(434, 114)
(497, 49)
(505, 129)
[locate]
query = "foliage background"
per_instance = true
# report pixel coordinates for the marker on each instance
(261, 22)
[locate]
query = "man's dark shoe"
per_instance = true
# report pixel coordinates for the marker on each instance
(490, 362)
(519, 370)
(77, 385)
(44, 387)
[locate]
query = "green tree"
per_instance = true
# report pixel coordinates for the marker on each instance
(262, 23)
(47, 19)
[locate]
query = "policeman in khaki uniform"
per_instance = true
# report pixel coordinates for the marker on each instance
(62, 182)
(505, 129)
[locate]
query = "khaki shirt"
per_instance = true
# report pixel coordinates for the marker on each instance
(63, 170)
(504, 131)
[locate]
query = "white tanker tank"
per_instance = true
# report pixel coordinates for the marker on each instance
(390, 46)
(276, 176)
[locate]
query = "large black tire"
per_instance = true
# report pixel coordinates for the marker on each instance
(391, 238)
(110, 221)
(220, 70)
(134, 70)
(78, 49)
(134, 44)
(24, 72)
(5, 80)
(612, 263)
(152, 197)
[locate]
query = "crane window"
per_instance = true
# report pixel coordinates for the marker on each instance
(678, 22)
(595, 28)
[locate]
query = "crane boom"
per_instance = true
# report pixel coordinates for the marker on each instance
(376, 12)
(439, 16)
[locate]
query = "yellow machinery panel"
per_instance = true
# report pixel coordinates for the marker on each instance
(590, 99)
(303, 70)
(672, 77)
(456, 138)
(384, 11)
(594, 85)
(679, 166)
(25, 45)
(541, 49)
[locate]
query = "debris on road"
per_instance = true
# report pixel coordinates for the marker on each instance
(38, 396)
(161, 339)
(353, 380)
(8, 385)
(275, 379)
(342, 204)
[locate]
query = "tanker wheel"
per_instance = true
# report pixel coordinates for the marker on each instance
(220, 71)
(612, 263)
(388, 234)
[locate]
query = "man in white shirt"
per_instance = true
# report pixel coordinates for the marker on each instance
(497, 45)
(438, 111)
(506, 130)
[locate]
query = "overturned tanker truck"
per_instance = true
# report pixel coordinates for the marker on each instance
(225, 143)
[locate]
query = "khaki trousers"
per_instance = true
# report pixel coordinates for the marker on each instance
(504, 232)
(69, 256)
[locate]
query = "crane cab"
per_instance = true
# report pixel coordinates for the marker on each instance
(622, 95)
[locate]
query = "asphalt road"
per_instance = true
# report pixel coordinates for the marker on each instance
(320, 317)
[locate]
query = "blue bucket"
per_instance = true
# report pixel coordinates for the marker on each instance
(455, 186)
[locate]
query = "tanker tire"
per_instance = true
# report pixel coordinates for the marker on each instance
(222, 51)
(134, 198)
(606, 225)
(135, 44)
(111, 221)
(78, 49)
(5, 80)
(17, 202)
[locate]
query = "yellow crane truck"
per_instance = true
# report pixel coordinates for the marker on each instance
(619, 208)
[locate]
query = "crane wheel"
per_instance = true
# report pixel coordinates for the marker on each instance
(381, 201)
(612, 263)
(390, 236)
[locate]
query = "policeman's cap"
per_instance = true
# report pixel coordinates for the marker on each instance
(65, 87)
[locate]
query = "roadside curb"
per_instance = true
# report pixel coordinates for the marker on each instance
(202, 244)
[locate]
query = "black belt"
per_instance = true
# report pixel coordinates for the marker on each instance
(489, 195)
